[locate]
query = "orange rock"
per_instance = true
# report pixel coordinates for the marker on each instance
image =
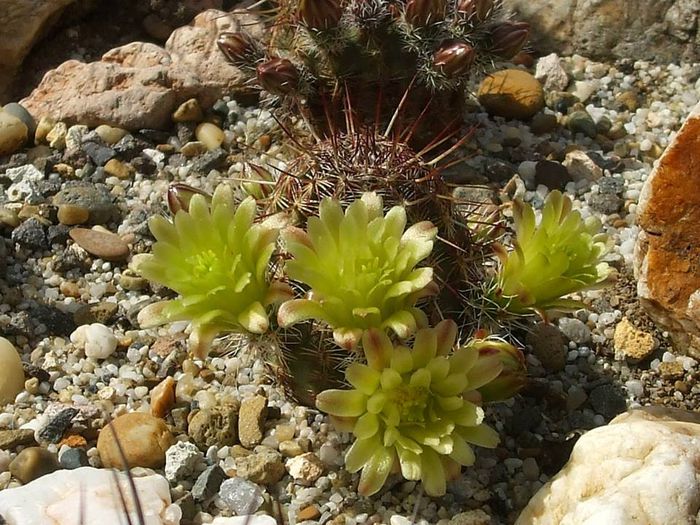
(74, 441)
(309, 513)
(163, 397)
(667, 255)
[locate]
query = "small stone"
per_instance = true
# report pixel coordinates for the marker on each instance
(543, 123)
(581, 167)
(119, 169)
(163, 397)
(31, 234)
(74, 458)
(11, 372)
(627, 100)
(11, 439)
(73, 441)
(193, 148)
(43, 128)
(550, 72)
(631, 342)
(31, 385)
(132, 282)
(608, 400)
(672, 370)
(290, 449)
(9, 217)
(109, 134)
(308, 513)
(214, 426)
(57, 136)
(102, 312)
(181, 460)
(251, 421)
(102, 244)
(54, 430)
(97, 339)
(71, 215)
(208, 483)
(98, 153)
(472, 517)
(211, 160)
(18, 111)
(241, 496)
(511, 93)
(305, 469)
(551, 174)
(548, 346)
(575, 329)
(264, 467)
(210, 135)
(32, 463)
(13, 133)
(189, 111)
(581, 122)
(606, 203)
(93, 197)
(143, 438)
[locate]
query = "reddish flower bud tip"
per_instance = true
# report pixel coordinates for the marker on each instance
(477, 10)
(235, 46)
(508, 38)
(320, 14)
(278, 76)
(421, 13)
(179, 196)
(454, 58)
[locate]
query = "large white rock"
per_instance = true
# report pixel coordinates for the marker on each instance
(641, 469)
(56, 499)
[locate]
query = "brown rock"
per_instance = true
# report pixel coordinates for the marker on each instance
(23, 23)
(70, 215)
(119, 169)
(189, 111)
(548, 345)
(631, 342)
(309, 513)
(673, 370)
(264, 467)
(32, 463)
(511, 93)
(139, 85)
(11, 439)
(102, 244)
(143, 438)
(214, 426)
(163, 397)
(667, 255)
(251, 421)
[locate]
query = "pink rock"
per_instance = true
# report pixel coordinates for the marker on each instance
(139, 85)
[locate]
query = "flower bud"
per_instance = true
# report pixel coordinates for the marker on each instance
(320, 14)
(237, 47)
(255, 186)
(478, 10)
(179, 197)
(278, 76)
(512, 378)
(508, 38)
(420, 13)
(454, 58)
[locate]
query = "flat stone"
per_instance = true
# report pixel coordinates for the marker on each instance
(144, 440)
(208, 483)
(511, 93)
(641, 469)
(102, 244)
(251, 421)
(11, 439)
(32, 463)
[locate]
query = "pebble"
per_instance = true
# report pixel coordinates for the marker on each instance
(632, 343)
(163, 397)
(306, 468)
(11, 439)
(310, 512)
(109, 134)
(189, 111)
(511, 93)
(102, 244)
(471, 517)
(181, 460)
(144, 440)
(543, 123)
(608, 400)
(121, 170)
(241, 496)
(210, 135)
(56, 138)
(251, 421)
(214, 426)
(32, 463)
(98, 340)
(93, 197)
(98, 153)
(672, 370)
(548, 345)
(290, 449)
(11, 372)
(581, 167)
(551, 174)
(18, 111)
(57, 426)
(73, 458)
(575, 329)
(31, 234)
(70, 215)
(208, 483)
(265, 467)
(581, 122)
(13, 133)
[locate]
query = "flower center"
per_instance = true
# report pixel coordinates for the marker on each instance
(203, 263)
(411, 402)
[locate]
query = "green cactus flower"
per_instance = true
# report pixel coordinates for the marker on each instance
(216, 258)
(413, 410)
(560, 255)
(360, 267)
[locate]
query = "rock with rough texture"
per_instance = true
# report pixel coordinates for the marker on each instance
(214, 426)
(305, 469)
(140, 85)
(241, 496)
(641, 469)
(631, 342)
(11, 372)
(511, 93)
(667, 254)
(143, 438)
(13, 133)
(258, 519)
(264, 467)
(23, 23)
(550, 72)
(660, 30)
(251, 421)
(181, 460)
(55, 498)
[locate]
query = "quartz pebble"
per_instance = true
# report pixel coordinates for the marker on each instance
(241, 496)
(97, 339)
(11, 372)
(210, 135)
(306, 468)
